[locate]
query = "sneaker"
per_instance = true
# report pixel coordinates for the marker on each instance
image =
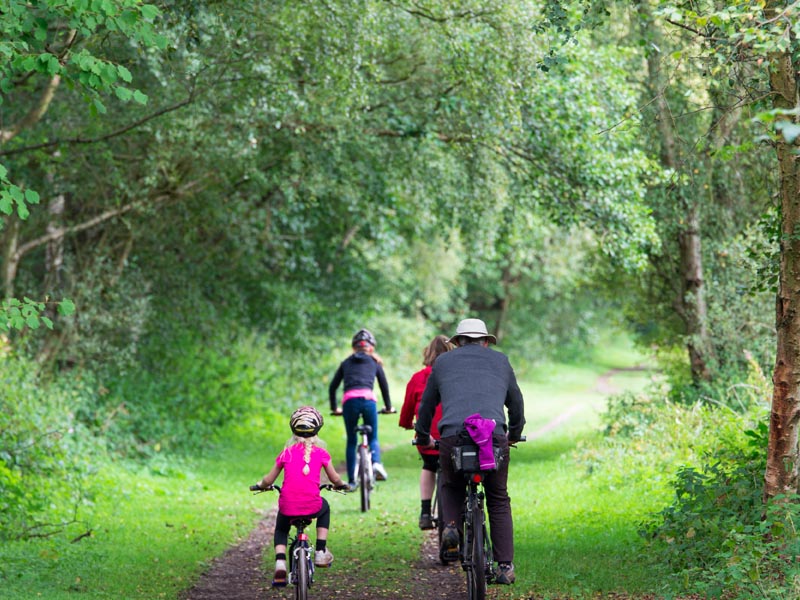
(279, 578)
(352, 486)
(380, 472)
(425, 521)
(449, 547)
(505, 574)
(323, 558)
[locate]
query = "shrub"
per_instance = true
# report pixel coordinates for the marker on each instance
(718, 535)
(44, 453)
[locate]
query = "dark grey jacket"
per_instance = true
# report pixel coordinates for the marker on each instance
(468, 380)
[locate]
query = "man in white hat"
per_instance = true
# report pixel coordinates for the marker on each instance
(474, 379)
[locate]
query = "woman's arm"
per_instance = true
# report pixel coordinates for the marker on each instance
(337, 379)
(384, 385)
(409, 404)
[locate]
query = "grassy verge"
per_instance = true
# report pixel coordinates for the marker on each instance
(154, 528)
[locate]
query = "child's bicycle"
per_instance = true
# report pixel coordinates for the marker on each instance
(300, 554)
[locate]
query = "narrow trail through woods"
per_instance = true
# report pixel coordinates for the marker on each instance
(238, 574)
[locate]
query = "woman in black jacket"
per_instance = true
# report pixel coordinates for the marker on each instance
(359, 372)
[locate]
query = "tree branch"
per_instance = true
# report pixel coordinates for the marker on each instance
(105, 216)
(35, 114)
(102, 138)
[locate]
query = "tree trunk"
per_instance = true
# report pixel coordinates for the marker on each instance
(54, 250)
(781, 475)
(693, 301)
(691, 305)
(10, 244)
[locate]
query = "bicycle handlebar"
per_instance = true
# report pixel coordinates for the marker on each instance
(383, 411)
(415, 442)
(522, 438)
(322, 486)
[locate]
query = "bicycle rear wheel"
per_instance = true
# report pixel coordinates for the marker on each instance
(301, 583)
(476, 571)
(364, 477)
(488, 555)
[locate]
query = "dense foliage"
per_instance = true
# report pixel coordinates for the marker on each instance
(227, 190)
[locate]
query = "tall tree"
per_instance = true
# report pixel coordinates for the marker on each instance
(690, 300)
(782, 454)
(765, 34)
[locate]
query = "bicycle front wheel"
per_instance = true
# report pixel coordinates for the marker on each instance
(476, 572)
(364, 476)
(302, 580)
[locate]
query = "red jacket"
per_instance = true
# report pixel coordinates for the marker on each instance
(414, 389)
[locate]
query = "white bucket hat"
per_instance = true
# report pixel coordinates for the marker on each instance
(473, 328)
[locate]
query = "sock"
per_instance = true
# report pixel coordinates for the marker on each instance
(320, 546)
(280, 556)
(426, 507)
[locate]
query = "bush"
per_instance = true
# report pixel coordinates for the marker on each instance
(177, 400)
(718, 535)
(44, 453)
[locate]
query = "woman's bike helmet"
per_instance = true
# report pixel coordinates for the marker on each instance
(362, 338)
(306, 421)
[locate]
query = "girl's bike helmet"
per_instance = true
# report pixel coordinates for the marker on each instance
(306, 421)
(362, 338)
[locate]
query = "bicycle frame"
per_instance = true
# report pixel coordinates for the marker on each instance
(364, 472)
(476, 549)
(301, 560)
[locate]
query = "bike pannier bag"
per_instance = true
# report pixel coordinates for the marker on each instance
(465, 458)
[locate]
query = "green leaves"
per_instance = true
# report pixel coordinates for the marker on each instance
(12, 196)
(19, 314)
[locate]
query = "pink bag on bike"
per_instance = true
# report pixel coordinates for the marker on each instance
(481, 430)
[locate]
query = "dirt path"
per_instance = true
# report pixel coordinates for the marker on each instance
(238, 575)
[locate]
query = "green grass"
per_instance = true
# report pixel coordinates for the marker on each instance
(153, 529)
(156, 527)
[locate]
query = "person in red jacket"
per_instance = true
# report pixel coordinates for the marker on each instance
(430, 456)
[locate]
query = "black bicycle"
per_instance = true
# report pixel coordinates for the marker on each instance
(301, 554)
(476, 549)
(365, 474)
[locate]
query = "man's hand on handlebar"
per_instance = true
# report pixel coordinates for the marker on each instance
(513, 443)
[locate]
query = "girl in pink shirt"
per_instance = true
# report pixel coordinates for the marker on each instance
(301, 462)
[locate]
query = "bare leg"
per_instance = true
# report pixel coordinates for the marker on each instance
(427, 479)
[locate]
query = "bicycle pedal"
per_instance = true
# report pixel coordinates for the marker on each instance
(449, 554)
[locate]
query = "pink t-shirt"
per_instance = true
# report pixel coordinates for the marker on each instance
(300, 493)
